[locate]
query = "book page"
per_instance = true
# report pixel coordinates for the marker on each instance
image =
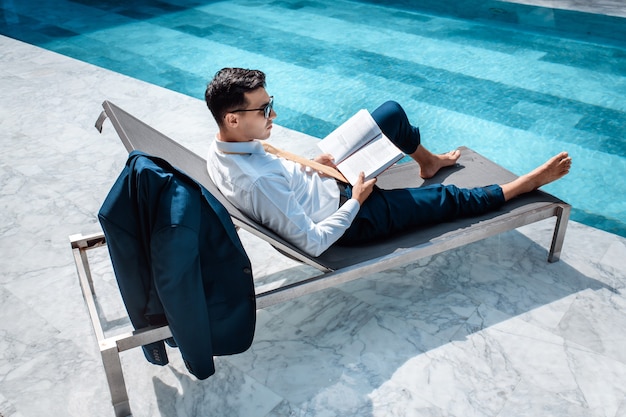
(372, 159)
(350, 136)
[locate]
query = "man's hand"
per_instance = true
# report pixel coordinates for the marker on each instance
(325, 159)
(362, 189)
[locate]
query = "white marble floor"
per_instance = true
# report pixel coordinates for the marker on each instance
(490, 329)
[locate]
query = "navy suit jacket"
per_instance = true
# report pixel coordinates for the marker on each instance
(178, 260)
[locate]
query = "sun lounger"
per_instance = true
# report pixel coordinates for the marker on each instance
(338, 264)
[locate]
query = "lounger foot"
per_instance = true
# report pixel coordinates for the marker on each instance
(562, 218)
(115, 377)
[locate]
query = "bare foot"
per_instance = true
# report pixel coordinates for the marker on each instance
(553, 169)
(430, 163)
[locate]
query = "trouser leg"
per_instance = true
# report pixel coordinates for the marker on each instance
(387, 212)
(394, 123)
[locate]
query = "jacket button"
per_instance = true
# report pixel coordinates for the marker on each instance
(247, 270)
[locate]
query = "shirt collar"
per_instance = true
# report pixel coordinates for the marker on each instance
(240, 148)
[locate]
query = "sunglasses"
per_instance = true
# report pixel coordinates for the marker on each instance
(267, 109)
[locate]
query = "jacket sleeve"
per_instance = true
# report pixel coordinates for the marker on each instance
(130, 263)
(177, 276)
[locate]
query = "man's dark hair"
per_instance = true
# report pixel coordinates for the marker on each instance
(226, 90)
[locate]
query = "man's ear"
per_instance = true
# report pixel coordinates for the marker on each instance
(231, 120)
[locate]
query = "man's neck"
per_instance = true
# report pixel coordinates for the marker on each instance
(229, 137)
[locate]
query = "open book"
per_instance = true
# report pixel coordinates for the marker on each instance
(359, 145)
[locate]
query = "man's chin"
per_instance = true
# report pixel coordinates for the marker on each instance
(267, 134)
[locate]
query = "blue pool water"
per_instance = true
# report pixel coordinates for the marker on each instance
(515, 83)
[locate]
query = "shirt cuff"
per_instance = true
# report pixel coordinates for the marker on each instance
(352, 206)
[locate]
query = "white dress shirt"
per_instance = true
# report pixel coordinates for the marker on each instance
(296, 203)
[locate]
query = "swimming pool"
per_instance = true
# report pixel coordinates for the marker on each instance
(512, 93)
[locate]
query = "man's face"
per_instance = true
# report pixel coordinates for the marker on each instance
(253, 124)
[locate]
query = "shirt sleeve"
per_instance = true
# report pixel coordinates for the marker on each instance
(275, 205)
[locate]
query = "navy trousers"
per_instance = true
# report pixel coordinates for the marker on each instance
(387, 212)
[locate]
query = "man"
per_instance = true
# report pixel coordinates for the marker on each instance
(314, 211)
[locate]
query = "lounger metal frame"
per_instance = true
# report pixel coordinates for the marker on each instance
(337, 265)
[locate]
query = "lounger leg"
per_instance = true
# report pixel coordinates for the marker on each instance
(115, 378)
(562, 218)
(85, 261)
